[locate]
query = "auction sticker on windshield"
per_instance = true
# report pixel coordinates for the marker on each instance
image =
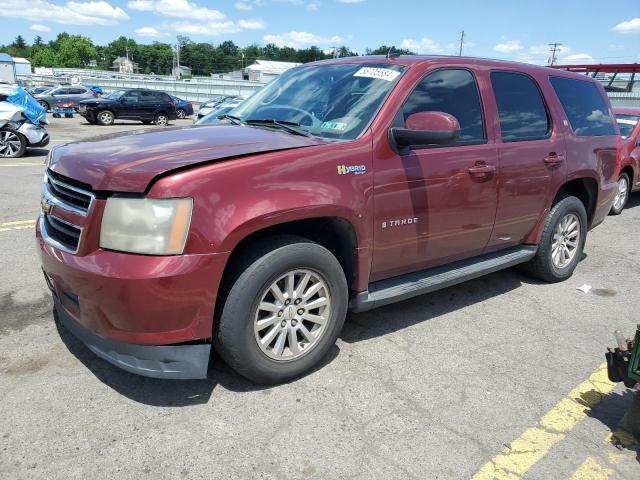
(378, 73)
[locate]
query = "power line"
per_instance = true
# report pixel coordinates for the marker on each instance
(554, 48)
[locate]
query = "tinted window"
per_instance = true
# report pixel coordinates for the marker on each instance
(61, 91)
(626, 124)
(585, 108)
(131, 96)
(77, 91)
(521, 109)
(453, 91)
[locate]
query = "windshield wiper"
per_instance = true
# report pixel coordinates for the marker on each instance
(291, 127)
(235, 120)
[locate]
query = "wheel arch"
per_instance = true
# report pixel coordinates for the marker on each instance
(585, 189)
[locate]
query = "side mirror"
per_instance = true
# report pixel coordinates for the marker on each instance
(426, 128)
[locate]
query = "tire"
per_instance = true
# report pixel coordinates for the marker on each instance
(161, 119)
(237, 333)
(105, 117)
(44, 105)
(543, 266)
(12, 143)
(181, 113)
(622, 195)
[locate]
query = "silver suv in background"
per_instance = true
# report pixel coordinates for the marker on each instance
(64, 94)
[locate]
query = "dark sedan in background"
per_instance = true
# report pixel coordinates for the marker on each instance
(184, 108)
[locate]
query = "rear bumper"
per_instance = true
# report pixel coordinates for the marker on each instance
(178, 362)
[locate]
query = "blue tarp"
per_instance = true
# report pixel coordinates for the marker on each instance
(29, 105)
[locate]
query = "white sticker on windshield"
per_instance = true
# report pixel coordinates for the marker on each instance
(377, 73)
(626, 121)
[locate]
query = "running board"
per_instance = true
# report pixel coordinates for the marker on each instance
(395, 289)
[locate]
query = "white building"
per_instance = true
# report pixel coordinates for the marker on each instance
(23, 66)
(262, 71)
(124, 65)
(7, 69)
(181, 71)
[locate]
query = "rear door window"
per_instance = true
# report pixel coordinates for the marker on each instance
(584, 106)
(521, 109)
(131, 96)
(453, 91)
(77, 91)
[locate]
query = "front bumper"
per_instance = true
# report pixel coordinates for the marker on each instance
(177, 362)
(126, 306)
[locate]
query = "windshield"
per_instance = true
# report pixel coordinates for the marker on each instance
(331, 101)
(115, 94)
(626, 124)
(212, 117)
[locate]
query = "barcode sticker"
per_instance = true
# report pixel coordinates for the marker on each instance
(377, 73)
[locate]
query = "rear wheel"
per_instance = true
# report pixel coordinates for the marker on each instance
(181, 113)
(622, 195)
(562, 241)
(161, 119)
(105, 117)
(44, 105)
(12, 143)
(285, 307)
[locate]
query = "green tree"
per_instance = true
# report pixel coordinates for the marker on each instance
(384, 50)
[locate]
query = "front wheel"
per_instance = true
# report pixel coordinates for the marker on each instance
(562, 241)
(161, 119)
(284, 309)
(12, 143)
(622, 195)
(105, 117)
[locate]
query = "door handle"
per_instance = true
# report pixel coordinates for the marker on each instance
(554, 159)
(482, 169)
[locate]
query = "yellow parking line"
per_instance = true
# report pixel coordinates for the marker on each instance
(16, 225)
(591, 470)
(22, 164)
(535, 443)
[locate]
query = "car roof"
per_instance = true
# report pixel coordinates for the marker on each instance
(626, 110)
(415, 60)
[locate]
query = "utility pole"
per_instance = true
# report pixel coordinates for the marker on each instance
(461, 43)
(554, 48)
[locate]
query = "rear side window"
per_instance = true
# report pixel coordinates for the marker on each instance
(585, 108)
(77, 91)
(452, 91)
(521, 109)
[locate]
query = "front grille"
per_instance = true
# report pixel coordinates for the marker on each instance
(61, 234)
(68, 194)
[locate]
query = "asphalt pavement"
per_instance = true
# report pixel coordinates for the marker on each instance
(500, 377)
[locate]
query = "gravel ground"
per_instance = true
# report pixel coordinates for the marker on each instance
(433, 387)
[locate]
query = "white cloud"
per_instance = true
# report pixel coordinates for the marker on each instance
(509, 46)
(577, 58)
(209, 28)
(313, 6)
(255, 24)
(350, 1)
(70, 13)
(150, 32)
(302, 39)
(176, 9)
(37, 27)
(629, 26)
(423, 45)
(243, 6)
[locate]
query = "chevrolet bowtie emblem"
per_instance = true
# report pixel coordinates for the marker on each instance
(46, 207)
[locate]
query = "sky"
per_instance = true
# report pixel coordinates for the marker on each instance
(589, 30)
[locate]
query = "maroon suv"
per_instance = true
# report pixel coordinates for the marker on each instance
(346, 184)
(628, 119)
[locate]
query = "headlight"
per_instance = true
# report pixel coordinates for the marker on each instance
(145, 225)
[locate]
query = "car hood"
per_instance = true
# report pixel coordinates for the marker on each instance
(128, 162)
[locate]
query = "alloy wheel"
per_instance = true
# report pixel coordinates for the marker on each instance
(181, 113)
(10, 144)
(106, 118)
(292, 315)
(621, 193)
(566, 239)
(161, 120)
